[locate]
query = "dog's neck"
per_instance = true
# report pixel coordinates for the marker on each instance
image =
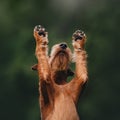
(60, 77)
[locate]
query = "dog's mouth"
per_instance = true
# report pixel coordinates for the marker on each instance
(62, 55)
(62, 52)
(60, 61)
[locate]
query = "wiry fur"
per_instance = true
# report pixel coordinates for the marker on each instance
(59, 59)
(58, 99)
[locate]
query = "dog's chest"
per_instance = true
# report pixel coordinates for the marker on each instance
(64, 109)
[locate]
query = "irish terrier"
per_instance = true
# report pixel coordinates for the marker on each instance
(59, 98)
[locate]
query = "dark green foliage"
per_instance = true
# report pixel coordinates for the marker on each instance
(99, 19)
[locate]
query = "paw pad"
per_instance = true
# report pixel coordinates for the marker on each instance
(40, 30)
(78, 35)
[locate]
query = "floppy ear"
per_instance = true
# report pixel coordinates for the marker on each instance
(35, 67)
(70, 72)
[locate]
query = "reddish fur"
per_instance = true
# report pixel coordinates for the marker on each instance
(58, 99)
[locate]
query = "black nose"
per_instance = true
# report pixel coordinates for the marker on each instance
(63, 45)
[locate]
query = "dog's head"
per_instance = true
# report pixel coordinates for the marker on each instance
(60, 57)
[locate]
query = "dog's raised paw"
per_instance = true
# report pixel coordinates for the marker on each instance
(78, 35)
(41, 36)
(40, 30)
(79, 39)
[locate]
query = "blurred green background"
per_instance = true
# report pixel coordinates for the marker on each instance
(100, 19)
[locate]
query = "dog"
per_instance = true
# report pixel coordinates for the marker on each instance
(59, 98)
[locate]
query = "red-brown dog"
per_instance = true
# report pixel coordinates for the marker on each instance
(58, 99)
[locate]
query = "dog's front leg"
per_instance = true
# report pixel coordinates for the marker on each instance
(76, 85)
(79, 39)
(41, 52)
(46, 87)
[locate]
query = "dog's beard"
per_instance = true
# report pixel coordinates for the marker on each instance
(60, 61)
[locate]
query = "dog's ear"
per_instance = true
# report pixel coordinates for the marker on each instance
(70, 72)
(35, 67)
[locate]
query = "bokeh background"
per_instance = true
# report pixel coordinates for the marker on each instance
(100, 19)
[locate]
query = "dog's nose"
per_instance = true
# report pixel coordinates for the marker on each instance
(63, 45)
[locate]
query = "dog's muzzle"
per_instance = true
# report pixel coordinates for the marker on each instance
(63, 45)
